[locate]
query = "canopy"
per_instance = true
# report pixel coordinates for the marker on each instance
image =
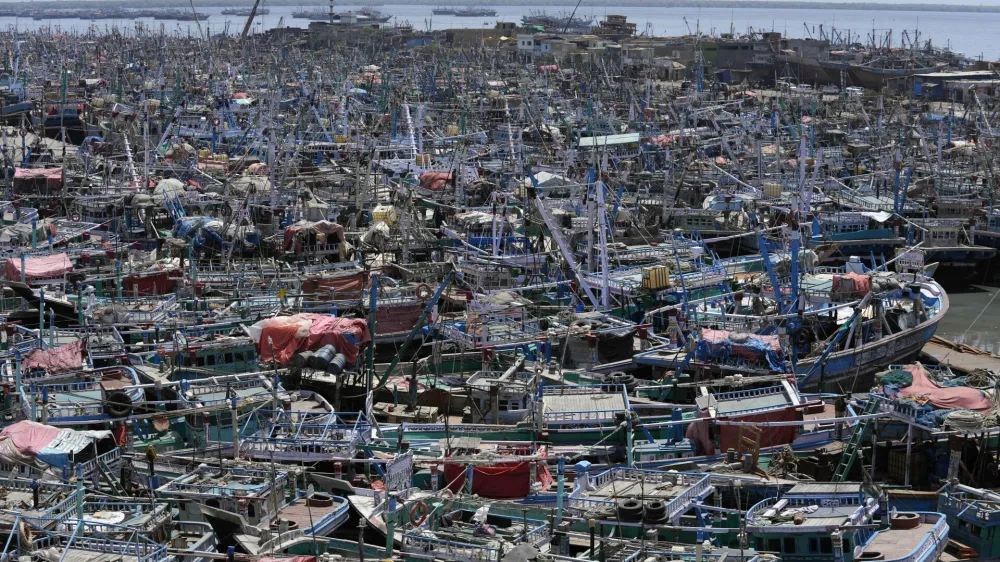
(320, 227)
(434, 180)
(63, 358)
(45, 267)
(27, 441)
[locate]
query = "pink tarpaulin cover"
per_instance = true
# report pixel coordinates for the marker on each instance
(301, 332)
(29, 437)
(44, 267)
(434, 180)
(63, 358)
(697, 431)
(47, 173)
(944, 398)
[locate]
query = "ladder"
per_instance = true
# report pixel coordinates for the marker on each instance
(109, 477)
(854, 444)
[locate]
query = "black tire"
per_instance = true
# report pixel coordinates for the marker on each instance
(117, 404)
(630, 509)
(654, 510)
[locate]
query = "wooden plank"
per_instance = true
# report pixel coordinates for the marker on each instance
(942, 352)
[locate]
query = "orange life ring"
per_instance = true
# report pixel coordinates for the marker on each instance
(76, 217)
(421, 508)
(424, 291)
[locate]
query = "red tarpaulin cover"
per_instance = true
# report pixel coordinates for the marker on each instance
(44, 267)
(729, 435)
(302, 332)
(434, 180)
(501, 481)
(63, 358)
(943, 398)
(344, 286)
(29, 437)
(320, 227)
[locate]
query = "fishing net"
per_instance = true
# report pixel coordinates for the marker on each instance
(964, 420)
(896, 377)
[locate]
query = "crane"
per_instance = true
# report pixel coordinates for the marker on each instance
(195, 12)
(569, 20)
(253, 12)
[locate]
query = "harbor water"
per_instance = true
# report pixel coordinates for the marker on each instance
(965, 32)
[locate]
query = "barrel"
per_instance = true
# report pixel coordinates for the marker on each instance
(300, 360)
(336, 366)
(322, 357)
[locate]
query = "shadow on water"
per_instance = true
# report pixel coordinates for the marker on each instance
(973, 316)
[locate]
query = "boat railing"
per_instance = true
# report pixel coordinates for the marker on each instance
(140, 550)
(456, 428)
(495, 331)
(219, 488)
(652, 476)
(704, 277)
(275, 543)
(314, 447)
(683, 501)
(456, 551)
(644, 553)
(983, 510)
(537, 536)
(63, 508)
(581, 416)
(62, 411)
(761, 507)
(110, 460)
(740, 395)
(896, 408)
(157, 516)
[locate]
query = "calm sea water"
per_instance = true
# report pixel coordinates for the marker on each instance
(969, 33)
(967, 303)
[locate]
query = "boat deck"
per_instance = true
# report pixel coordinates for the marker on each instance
(764, 402)
(894, 544)
(304, 515)
(75, 555)
(618, 489)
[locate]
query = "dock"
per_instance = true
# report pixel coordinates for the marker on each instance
(959, 357)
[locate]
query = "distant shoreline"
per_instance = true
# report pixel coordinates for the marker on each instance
(762, 4)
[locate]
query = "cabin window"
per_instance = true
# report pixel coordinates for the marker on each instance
(813, 545)
(790, 545)
(250, 355)
(251, 511)
(212, 502)
(976, 530)
(238, 356)
(774, 545)
(847, 544)
(210, 360)
(826, 545)
(201, 361)
(229, 357)
(759, 544)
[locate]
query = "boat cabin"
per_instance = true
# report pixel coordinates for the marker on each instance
(836, 521)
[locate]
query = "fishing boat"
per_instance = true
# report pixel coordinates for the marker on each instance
(824, 518)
